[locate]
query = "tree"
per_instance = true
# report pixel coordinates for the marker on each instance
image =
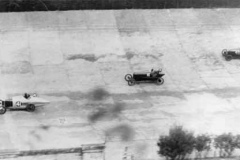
(177, 144)
(227, 143)
(202, 143)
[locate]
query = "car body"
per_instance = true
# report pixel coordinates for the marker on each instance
(137, 77)
(231, 54)
(26, 101)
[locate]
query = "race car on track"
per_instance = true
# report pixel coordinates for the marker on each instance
(231, 54)
(26, 101)
(153, 76)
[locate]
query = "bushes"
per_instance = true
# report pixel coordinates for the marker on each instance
(202, 143)
(179, 143)
(227, 143)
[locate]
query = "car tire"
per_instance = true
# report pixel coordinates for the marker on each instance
(131, 82)
(128, 77)
(3, 110)
(228, 57)
(224, 52)
(160, 81)
(31, 107)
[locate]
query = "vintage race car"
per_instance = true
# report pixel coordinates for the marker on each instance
(26, 101)
(231, 54)
(153, 76)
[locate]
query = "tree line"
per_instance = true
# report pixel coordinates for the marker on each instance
(180, 143)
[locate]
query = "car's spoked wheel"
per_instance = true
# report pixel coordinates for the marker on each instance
(131, 82)
(224, 52)
(160, 81)
(128, 77)
(3, 110)
(228, 57)
(31, 108)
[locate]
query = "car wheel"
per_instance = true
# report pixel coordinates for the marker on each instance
(228, 58)
(131, 82)
(160, 81)
(3, 110)
(224, 52)
(128, 77)
(31, 108)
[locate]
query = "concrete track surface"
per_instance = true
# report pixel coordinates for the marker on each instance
(64, 56)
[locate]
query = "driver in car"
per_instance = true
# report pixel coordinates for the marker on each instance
(153, 73)
(26, 95)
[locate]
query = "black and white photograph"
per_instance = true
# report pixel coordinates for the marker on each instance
(119, 79)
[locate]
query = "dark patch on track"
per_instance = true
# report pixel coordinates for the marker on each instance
(130, 54)
(87, 57)
(74, 125)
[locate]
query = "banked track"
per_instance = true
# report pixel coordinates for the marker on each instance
(64, 55)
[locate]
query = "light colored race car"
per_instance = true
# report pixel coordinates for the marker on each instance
(26, 101)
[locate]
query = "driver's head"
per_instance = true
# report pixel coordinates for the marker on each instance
(26, 95)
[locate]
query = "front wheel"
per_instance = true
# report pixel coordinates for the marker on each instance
(160, 81)
(128, 77)
(228, 58)
(131, 82)
(3, 110)
(31, 108)
(224, 52)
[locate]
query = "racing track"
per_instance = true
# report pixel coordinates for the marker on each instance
(63, 56)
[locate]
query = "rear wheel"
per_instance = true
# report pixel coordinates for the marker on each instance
(224, 52)
(228, 58)
(131, 82)
(160, 81)
(2, 110)
(31, 108)
(128, 77)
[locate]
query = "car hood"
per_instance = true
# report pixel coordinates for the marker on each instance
(31, 100)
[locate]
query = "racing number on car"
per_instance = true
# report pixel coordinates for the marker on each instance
(18, 103)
